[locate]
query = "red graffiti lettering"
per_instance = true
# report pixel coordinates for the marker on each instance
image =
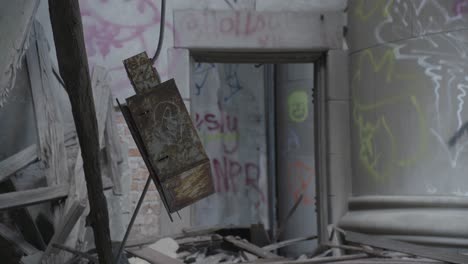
(227, 173)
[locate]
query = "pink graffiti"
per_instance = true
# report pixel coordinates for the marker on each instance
(227, 172)
(236, 24)
(460, 7)
(105, 35)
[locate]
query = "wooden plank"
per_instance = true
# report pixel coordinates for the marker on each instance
(17, 18)
(315, 260)
(25, 198)
(23, 219)
(76, 253)
(408, 248)
(18, 161)
(50, 131)
(101, 96)
(17, 240)
(113, 150)
(251, 248)
(368, 251)
(66, 226)
(153, 256)
(32, 259)
(73, 66)
(288, 242)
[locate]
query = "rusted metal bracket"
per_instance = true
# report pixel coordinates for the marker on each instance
(164, 133)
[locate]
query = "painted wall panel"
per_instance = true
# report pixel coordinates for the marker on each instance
(228, 108)
(296, 173)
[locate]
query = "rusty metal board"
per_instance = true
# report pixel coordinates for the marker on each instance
(134, 132)
(141, 73)
(173, 147)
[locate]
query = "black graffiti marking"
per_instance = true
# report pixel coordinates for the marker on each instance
(456, 137)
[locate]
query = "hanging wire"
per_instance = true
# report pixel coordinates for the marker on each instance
(161, 31)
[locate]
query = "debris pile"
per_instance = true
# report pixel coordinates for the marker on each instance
(213, 245)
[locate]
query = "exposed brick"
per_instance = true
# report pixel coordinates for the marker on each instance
(147, 221)
(134, 152)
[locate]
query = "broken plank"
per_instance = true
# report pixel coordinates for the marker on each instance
(51, 141)
(23, 219)
(76, 252)
(404, 247)
(370, 252)
(153, 256)
(34, 196)
(32, 259)
(101, 96)
(199, 239)
(18, 161)
(251, 248)
(113, 150)
(286, 243)
(17, 240)
(315, 260)
(65, 227)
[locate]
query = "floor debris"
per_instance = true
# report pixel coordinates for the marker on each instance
(207, 246)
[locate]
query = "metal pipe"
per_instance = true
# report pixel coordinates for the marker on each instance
(129, 228)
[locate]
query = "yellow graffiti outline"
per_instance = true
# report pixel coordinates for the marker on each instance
(368, 130)
(382, 5)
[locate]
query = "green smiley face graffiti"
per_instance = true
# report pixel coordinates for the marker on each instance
(298, 107)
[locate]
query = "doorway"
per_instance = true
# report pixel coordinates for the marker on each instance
(256, 120)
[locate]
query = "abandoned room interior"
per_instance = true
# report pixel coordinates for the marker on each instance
(233, 131)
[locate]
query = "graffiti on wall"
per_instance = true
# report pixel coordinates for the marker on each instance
(231, 131)
(300, 181)
(373, 122)
(259, 28)
(298, 106)
(111, 38)
(427, 77)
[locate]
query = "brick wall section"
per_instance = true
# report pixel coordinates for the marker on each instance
(147, 221)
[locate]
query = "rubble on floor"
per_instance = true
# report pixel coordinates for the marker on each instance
(210, 247)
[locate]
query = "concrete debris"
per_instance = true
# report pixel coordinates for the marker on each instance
(213, 248)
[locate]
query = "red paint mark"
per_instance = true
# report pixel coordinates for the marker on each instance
(300, 177)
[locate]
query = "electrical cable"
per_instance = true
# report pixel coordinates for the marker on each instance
(161, 31)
